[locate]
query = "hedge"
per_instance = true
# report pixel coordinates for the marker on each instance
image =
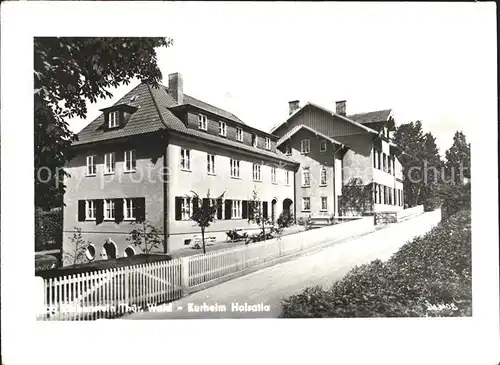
(430, 276)
(48, 230)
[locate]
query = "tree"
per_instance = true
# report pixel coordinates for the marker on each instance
(421, 162)
(458, 159)
(145, 236)
(78, 249)
(67, 72)
(257, 213)
(204, 211)
(356, 197)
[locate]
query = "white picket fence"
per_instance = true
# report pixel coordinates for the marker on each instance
(109, 293)
(405, 213)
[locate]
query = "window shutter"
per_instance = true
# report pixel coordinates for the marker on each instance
(219, 208)
(99, 211)
(178, 208)
(205, 205)
(244, 209)
(250, 209)
(118, 210)
(196, 204)
(81, 210)
(264, 207)
(228, 208)
(139, 205)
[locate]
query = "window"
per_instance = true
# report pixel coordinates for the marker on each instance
(239, 134)
(130, 160)
(185, 208)
(255, 140)
(273, 175)
(384, 162)
(306, 177)
(109, 163)
(185, 159)
(375, 159)
(128, 209)
(235, 168)
(91, 166)
(288, 149)
(211, 164)
(287, 177)
(322, 176)
(322, 146)
(389, 164)
(378, 160)
(109, 209)
(324, 203)
(375, 192)
(202, 122)
(256, 172)
(90, 210)
(268, 143)
(222, 129)
(236, 209)
(306, 204)
(113, 119)
(305, 146)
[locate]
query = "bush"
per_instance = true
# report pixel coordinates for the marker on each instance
(48, 230)
(455, 197)
(431, 204)
(284, 220)
(433, 270)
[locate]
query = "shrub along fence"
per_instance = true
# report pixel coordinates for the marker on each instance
(110, 293)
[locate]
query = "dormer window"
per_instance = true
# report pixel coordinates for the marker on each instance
(113, 119)
(202, 122)
(222, 129)
(254, 140)
(288, 149)
(268, 143)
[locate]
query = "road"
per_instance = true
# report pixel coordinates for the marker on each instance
(265, 289)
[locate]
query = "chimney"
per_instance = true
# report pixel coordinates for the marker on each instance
(340, 107)
(175, 87)
(292, 106)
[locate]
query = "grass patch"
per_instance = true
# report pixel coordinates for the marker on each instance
(430, 276)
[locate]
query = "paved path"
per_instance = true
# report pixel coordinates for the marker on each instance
(269, 286)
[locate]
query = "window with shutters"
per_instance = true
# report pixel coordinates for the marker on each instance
(130, 161)
(235, 168)
(109, 163)
(128, 209)
(322, 176)
(256, 172)
(186, 208)
(90, 210)
(109, 209)
(306, 177)
(222, 129)
(306, 204)
(91, 168)
(239, 134)
(211, 164)
(185, 159)
(202, 122)
(113, 119)
(236, 209)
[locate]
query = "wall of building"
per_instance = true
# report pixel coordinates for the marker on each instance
(145, 182)
(183, 182)
(357, 161)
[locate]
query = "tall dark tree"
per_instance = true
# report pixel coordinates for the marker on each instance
(67, 72)
(458, 159)
(421, 162)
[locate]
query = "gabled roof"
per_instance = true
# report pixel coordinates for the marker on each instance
(371, 117)
(213, 109)
(347, 119)
(295, 129)
(154, 114)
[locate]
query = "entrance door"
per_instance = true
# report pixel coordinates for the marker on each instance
(273, 210)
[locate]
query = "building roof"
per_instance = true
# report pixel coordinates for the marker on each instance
(213, 109)
(154, 114)
(347, 119)
(371, 117)
(295, 129)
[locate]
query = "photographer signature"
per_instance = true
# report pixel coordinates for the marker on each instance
(441, 306)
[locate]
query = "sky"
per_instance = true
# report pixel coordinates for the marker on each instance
(428, 62)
